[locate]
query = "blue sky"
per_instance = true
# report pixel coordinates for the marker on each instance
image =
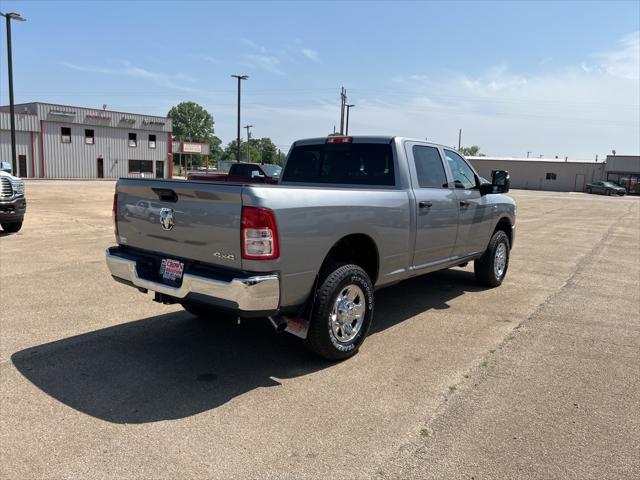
(557, 78)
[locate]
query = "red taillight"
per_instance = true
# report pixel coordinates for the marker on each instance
(114, 214)
(259, 234)
(339, 140)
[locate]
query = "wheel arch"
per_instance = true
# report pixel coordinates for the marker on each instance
(357, 248)
(505, 225)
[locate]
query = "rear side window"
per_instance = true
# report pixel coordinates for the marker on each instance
(341, 164)
(429, 168)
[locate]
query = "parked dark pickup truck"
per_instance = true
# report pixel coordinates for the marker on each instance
(242, 173)
(349, 215)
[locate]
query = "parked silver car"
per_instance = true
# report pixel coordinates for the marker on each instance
(605, 188)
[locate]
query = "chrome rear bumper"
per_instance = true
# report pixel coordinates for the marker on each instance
(246, 294)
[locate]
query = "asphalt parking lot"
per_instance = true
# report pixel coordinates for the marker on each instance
(538, 378)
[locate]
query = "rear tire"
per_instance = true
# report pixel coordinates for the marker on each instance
(491, 268)
(12, 227)
(342, 312)
(589, 190)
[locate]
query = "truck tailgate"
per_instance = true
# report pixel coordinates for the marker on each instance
(205, 218)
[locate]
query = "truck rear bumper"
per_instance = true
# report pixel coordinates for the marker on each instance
(244, 294)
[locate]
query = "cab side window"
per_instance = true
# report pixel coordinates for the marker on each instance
(429, 168)
(463, 176)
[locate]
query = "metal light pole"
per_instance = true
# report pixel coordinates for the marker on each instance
(347, 127)
(248, 138)
(240, 78)
(8, 17)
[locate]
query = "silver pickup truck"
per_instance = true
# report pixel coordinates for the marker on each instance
(349, 215)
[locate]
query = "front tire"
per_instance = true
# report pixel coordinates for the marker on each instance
(12, 227)
(491, 268)
(342, 312)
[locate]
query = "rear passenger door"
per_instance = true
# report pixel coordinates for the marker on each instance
(475, 210)
(436, 206)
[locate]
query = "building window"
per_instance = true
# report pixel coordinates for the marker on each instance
(551, 176)
(140, 166)
(65, 134)
(152, 141)
(89, 137)
(133, 140)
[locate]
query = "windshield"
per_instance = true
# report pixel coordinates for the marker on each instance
(609, 184)
(341, 164)
(272, 170)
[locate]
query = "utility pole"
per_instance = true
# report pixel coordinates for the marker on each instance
(248, 138)
(343, 102)
(459, 139)
(240, 78)
(12, 119)
(348, 108)
(528, 153)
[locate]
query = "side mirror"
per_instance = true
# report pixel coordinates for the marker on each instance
(486, 188)
(500, 181)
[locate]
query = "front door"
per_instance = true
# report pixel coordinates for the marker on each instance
(22, 164)
(436, 206)
(100, 167)
(579, 186)
(159, 169)
(476, 211)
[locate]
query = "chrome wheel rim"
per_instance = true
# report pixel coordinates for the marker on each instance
(500, 260)
(347, 315)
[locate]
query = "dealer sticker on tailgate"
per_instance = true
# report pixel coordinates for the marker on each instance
(171, 270)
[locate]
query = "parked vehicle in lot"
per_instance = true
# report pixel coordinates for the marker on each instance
(13, 203)
(605, 188)
(350, 215)
(144, 209)
(242, 172)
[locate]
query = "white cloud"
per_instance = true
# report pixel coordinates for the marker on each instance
(310, 54)
(269, 63)
(254, 45)
(625, 61)
(204, 58)
(127, 69)
(579, 110)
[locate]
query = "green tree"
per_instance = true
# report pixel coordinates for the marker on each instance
(216, 151)
(472, 151)
(191, 122)
(268, 151)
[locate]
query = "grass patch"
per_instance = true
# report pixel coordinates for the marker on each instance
(424, 433)
(484, 364)
(452, 388)
(492, 351)
(466, 375)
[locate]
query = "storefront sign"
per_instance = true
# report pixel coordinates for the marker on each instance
(189, 147)
(62, 113)
(101, 118)
(156, 123)
(128, 120)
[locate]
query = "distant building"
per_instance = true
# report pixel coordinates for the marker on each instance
(62, 141)
(563, 175)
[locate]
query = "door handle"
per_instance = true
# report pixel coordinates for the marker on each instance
(425, 204)
(464, 203)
